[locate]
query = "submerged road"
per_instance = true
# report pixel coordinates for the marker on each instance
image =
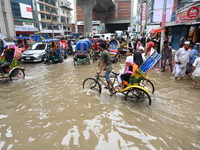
(50, 110)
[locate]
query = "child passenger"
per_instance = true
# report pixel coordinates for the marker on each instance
(127, 72)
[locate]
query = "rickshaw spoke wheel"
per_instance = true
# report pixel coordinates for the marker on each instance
(92, 84)
(17, 74)
(147, 84)
(138, 95)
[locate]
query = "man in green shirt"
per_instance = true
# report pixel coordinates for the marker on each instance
(106, 64)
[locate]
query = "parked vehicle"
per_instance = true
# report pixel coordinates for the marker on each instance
(21, 42)
(35, 53)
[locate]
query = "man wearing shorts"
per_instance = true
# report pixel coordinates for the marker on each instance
(105, 63)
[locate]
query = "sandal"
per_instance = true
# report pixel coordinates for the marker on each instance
(118, 87)
(111, 94)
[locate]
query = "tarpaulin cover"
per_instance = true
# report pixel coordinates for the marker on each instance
(82, 45)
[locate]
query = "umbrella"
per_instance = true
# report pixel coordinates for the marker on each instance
(157, 30)
(2, 36)
(98, 40)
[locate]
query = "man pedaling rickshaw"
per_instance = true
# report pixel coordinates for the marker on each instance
(8, 55)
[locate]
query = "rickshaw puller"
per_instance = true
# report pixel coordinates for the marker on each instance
(8, 54)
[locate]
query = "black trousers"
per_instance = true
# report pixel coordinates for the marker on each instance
(125, 76)
(4, 66)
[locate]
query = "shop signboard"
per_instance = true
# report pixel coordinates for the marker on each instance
(26, 11)
(25, 28)
(183, 17)
(193, 12)
(164, 19)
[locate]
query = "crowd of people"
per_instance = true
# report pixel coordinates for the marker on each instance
(186, 58)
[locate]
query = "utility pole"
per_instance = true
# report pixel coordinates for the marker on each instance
(163, 28)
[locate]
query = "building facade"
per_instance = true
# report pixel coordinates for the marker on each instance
(47, 17)
(6, 23)
(23, 17)
(180, 17)
(65, 14)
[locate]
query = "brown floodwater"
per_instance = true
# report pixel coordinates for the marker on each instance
(49, 110)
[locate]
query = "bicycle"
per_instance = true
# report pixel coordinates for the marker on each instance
(135, 93)
(96, 82)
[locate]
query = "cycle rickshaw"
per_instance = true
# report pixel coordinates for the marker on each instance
(113, 50)
(82, 54)
(139, 85)
(21, 42)
(14, 72)
(58, 55)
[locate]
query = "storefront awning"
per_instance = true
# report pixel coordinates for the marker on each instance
(25, 32)
(157, 30)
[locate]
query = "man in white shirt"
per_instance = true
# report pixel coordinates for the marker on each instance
(181, 58)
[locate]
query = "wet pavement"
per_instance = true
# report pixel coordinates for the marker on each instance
(50, 110)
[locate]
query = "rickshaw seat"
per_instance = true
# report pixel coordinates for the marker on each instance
(80, 54)
(136, 78)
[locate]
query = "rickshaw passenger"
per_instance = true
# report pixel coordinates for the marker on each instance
(53, 47)
(137, 63)
(127, 72)
(8, 54)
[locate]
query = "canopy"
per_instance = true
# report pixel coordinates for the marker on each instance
(98, 40)
(82, 45)
(20, 37)
(88, 42)
(50, 40)
(157, 30)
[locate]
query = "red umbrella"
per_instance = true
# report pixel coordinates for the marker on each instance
(157, 30)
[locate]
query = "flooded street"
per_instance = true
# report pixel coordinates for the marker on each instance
(49, 110)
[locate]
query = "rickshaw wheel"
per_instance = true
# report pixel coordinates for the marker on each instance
(138, 95)
(92, 84)
(17, 74)
(147, 84)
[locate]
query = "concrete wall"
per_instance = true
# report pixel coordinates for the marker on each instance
(6, 23)
(121, 10)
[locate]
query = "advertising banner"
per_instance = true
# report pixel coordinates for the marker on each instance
(158, 10)
(144, 9)
(26, 11)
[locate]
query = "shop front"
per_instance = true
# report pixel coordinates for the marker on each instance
(25, 30)
(187, 23)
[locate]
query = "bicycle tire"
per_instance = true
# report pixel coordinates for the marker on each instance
(48, 61)
(145, 83)
(92, 84)
(137, 94)
(17, 74)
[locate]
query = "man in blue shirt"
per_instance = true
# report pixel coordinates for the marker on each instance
(193, 56)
